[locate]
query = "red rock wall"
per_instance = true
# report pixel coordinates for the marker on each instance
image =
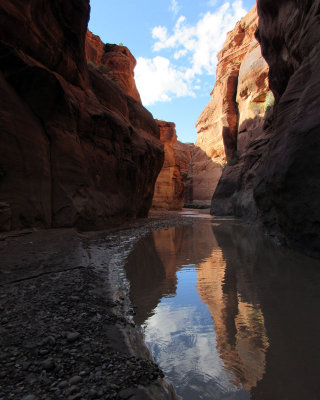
(169, 192)
(115, 61)
(217, 126)
(234, 115)
(75, 149)
(277, 180)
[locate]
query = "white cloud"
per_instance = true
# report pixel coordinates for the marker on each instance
(174, 7)
(212, 3)
(180, 53)
(159, 79)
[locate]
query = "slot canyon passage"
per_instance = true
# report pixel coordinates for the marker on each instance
(134, 265)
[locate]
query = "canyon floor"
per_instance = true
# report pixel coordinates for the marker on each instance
(67, 330)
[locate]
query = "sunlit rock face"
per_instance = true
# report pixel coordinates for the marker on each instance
(116, 62)
(169, 192)
(234, 115)
(276, 181)
(75, 149)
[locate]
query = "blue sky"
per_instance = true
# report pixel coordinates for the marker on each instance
(175, 43)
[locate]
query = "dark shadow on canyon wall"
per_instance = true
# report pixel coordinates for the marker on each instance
(285, 286)
(234, 193)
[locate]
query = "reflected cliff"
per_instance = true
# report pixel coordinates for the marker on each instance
(227, 314)
(239, 325)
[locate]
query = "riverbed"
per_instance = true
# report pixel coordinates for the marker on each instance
(225, 312)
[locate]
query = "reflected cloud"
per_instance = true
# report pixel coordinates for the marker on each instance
(227, 314)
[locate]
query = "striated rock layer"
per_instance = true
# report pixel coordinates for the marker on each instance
(234, 115)
(75, 149)
(277, 181)
(169, 192)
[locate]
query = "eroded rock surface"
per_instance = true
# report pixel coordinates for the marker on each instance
(234, 115)
(115, 61)
(277, 180)
(75, 149)
(169, 192)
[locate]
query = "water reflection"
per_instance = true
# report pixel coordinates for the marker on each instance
(227, 314)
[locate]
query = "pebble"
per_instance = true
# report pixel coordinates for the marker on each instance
(92, 394)
(73, 389)
(75, 396)
(72, 336)
(30, 397)
(63, 384)
(48, 364)
(31, 379)
(83, 373)
(50, 340)
(75, 379)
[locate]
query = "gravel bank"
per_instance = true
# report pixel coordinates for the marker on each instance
(66, 321)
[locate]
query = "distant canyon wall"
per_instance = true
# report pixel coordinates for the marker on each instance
(234, 115)
(275, 180)
(77, 148)
(170, 187)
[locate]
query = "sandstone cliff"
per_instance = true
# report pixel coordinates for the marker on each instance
(75, 149)
(234, 115)
(276, 180)
(116, 62)
(169, 192)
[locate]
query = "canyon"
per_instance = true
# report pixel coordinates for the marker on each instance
(99, 151)
(91, 245)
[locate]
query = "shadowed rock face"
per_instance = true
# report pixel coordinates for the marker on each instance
(277, 180)
(169, 190)
(75, 149)
(287, 189)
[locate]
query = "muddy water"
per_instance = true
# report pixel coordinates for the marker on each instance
(227, 314)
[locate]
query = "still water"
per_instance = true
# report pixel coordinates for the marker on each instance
(227, 314)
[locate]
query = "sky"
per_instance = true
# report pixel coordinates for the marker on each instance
(175, 43)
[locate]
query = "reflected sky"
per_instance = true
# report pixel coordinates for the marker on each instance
(182, 338)
(213, 299)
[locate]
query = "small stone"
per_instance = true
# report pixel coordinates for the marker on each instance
(75, 396)
(126, 393)
(50, 340)
(73, 336)
(63, 384)
(73, 389)
(92, 394)
(48, 364)
(30, 397)
(31, 379)
(74, 380)
(43, 352)
(25, 365)
(83, 373)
